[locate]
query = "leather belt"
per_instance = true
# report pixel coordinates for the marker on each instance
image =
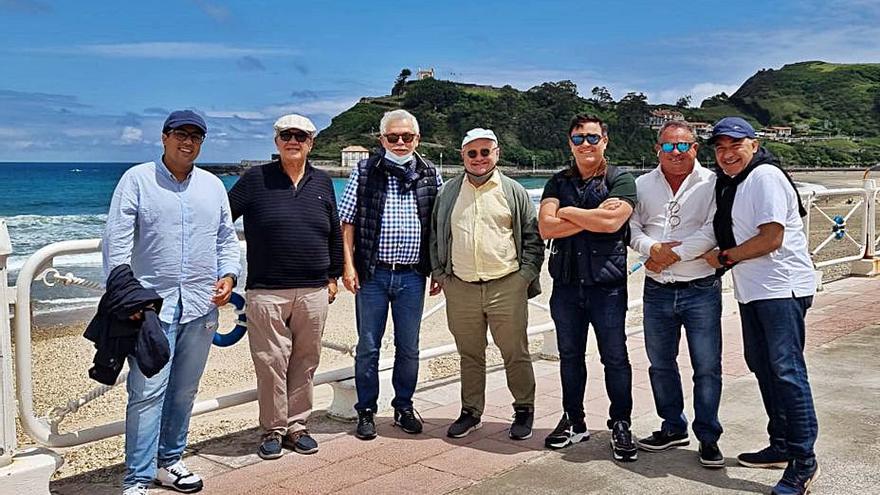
(680, 285)
(396, 267)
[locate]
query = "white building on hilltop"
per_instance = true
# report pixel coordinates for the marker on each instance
(351, 155)
(425, 74)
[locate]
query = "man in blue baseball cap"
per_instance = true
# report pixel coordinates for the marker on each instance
(761, 240)
(171, 222)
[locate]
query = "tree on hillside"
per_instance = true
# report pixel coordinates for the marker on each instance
(399, 83)
(719, 99)
(431, 94)
(632, 110)
(684, 101)
(602, 97)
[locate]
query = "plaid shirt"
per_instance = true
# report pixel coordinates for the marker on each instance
(400, 231)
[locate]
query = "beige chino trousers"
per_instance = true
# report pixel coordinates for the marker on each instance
(502, 305)
(284, 332)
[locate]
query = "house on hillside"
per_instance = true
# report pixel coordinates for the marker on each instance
(779, 133)
(702, 130)
(351, 155)
(660, 116)
(425, 74)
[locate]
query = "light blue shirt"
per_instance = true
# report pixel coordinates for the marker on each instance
(178, 237)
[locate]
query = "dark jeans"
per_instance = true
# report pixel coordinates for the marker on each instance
(697, 306)
(404, 291)
(773, 344)
(573, 308)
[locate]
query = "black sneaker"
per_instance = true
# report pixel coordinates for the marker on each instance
(622, 446)
(769, 457)
(300, 442)
(798, 477)
(710, 455)
(366, 428)
(521, 428)
(270, 447)
(465, 424)
(407, 421)
(661, 440)
(567, 432)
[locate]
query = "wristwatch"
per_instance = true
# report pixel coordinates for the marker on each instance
(233, 276)
(724, 259)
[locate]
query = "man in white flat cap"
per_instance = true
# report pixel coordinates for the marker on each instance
(294, 257)
(487, 254)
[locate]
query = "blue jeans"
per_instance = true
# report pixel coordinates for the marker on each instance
(159, 408)
(574, 307)
(697, 306)
(773, 344)
(404, 290)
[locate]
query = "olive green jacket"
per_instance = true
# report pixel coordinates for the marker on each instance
(529, 246)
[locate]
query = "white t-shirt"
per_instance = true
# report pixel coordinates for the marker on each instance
(767, 197)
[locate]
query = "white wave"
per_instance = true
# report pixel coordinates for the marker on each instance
(69, 301)
(61, 309)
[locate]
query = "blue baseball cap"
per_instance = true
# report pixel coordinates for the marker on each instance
(180, 118)
(734, 127)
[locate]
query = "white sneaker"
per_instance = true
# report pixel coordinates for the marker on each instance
(135, 490)
(178, 477)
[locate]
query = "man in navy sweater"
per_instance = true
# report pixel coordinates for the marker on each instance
(294, 257)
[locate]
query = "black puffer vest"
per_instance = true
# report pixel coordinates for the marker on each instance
(371, 189)
(588, 258)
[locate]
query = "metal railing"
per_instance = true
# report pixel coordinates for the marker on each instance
(824, 209)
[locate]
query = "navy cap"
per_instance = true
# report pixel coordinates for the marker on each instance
(735, 127)
(181, 118)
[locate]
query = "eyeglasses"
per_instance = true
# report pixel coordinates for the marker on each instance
(681, 147)
(182, 136)
(393, 138)
(672, 209)
(483, 152)
(300, 136)
(578, 139)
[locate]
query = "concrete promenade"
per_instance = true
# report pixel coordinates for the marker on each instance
(843, 340)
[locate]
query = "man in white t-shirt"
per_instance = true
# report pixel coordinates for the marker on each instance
(761, 238)
(671, 227)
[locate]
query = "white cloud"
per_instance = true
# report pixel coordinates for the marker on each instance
(131, 135)
(236, 114)
(698, 93)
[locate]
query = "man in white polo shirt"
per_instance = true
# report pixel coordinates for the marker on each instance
(671, 226)
(761, 238)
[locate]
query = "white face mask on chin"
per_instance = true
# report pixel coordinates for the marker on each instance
(400, 160)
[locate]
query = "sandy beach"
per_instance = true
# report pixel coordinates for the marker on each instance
(62, 356)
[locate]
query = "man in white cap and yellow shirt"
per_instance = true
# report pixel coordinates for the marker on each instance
(487, 254)
(294, 257)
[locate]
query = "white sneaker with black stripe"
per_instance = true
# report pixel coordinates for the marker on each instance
(178, 477)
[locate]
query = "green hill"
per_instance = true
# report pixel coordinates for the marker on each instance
(814, 97)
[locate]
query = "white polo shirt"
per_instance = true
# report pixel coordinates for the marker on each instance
(767, 197)
(686, 216)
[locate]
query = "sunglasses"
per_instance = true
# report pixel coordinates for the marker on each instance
(578, 139)
(182, 136)
(483, 152)
(681, 147)
(393, 138)
(300, 136)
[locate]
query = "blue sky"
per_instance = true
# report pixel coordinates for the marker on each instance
(93, 81)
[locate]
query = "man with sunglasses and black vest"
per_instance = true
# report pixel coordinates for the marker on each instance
(294, 258)
(761, 240)
(584, 210)
(386, 215)
(672, 228)
(487, 255)
(170, 221)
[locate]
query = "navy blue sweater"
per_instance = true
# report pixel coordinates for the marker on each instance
(293, 235)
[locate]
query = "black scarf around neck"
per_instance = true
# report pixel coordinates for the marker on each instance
(725, 193)
(406, 174)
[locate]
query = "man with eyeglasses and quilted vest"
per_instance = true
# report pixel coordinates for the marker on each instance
(672, 228)
(487, 255)
(584, 210)
(386, 215)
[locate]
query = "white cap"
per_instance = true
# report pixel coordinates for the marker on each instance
(478, 133)
(294, 121)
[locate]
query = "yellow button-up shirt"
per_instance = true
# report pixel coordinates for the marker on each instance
(482, 233)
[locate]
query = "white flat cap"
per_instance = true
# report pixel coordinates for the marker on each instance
(478, 133)
(294, 121)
